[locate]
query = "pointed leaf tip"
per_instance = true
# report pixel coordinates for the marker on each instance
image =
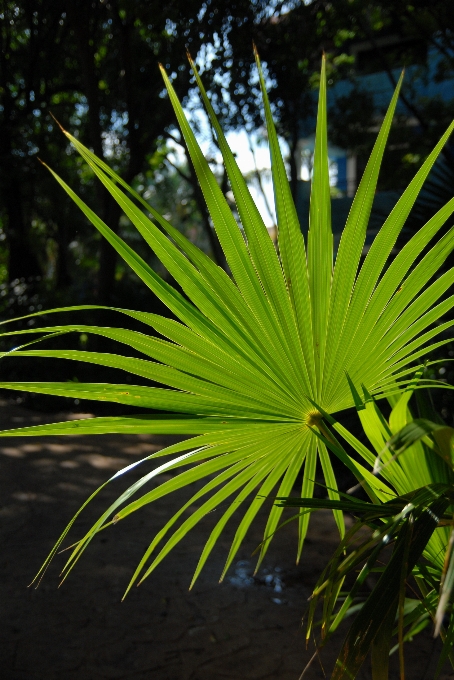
(58, 122)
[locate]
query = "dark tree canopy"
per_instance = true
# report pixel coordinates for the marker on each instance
(93, 64)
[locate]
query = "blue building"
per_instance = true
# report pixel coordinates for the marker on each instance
(345, 166)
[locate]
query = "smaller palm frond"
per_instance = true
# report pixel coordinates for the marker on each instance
(253, 360)
(407, 523)
(417, 523)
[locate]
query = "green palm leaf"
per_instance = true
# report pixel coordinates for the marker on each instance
(254, 361)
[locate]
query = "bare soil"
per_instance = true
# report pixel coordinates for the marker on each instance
(243, 629)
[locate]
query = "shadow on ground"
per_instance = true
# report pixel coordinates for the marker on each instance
(243, 629)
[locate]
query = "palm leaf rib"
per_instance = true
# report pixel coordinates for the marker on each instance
(215, 308)
(397, 311)
(234, 377)
(320, 235)
(291, 242)
(233, 244)
(260, 245)
(353, 330)
(255, 363)
(353, 238)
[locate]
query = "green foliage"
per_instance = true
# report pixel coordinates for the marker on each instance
(416, 457)
(97, 75)
(92, 65)
(255, 364)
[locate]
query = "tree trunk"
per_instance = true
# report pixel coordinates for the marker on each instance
(107, 209)
(108, 259)
(22, 262)
(63, 278)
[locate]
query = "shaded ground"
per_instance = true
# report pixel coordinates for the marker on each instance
(243, 629)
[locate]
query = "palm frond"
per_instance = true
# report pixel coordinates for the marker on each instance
(254, 366)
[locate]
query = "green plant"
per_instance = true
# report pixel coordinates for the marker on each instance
(415, 456)
(255, 361)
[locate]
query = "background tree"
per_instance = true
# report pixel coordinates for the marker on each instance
(93, 64)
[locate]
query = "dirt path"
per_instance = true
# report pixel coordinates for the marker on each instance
(243, 629)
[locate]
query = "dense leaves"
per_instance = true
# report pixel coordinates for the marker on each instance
(417, 461)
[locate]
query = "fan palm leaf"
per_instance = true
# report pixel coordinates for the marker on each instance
(250, 353)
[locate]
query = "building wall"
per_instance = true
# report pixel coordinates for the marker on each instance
(345, 180)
